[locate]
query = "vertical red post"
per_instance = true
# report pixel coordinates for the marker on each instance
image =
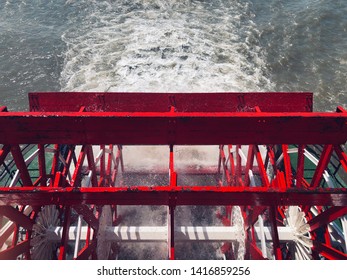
(224, 164)
(300, 166)
(238, 169)
(287, 167)
(65, 234)
(77, 173)
(274, 232)
(271, 155)
(232, 166)
(263, 174)
(171, 215)
(171, 225)
(342, 156)
(249, 164)
(220, 158)
(55, 161)
(91, 165)
(20, 163)
(68, 160)
(109, 166)
(102, 167)
(42, 165)
(172, 173)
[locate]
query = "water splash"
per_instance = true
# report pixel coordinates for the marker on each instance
(184, 46)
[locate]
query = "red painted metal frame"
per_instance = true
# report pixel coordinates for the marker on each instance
(162, 195)
(14, 214)
(327, 216)
(173, 128)
(13, 252)
(174, 119)
(162, 102)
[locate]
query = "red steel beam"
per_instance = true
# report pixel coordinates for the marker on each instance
(76, 177)
(118, 159)
(65, 234)
(262, 171)
(171, 232)
(271, 155)
(328, 252)
(253, 216)
(258, 196)
(86, 251)
(224, 164)
(109, 166)
(249, 164)
(20, 163)
(55, 161)
(161, 102)
(232, 166)
(300, 166)
(238, 168)
(322, 165)
(274, 232)
(326, 217)
(4, 152)
(42, 165)
(13, 252)
(102, 167)
(255, 252)
(342, 156)
(91, 164)
(173, 128)
(69, 158)
(16, 216)
(287, 167)
(87, 214)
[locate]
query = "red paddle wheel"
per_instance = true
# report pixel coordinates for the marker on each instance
(277, 184)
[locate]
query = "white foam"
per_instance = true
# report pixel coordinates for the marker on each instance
(158, 46)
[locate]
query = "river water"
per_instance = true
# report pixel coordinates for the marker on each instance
(173, 46)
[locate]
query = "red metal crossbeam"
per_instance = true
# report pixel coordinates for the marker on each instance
(322, 165)
(13, 252)
(173, 128)
(223, 160)
(326, 217)
(161, 102)
(253, 216)
(86, 251)
(342, 156)
(255, 252)
(258, 196)
(328, 252)
(87, 214)
(262, 171)
(19, 160)
(4, 152)
(17, 216)
(76, 178)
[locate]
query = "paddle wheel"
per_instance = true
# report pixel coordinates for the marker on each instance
(72, 167)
